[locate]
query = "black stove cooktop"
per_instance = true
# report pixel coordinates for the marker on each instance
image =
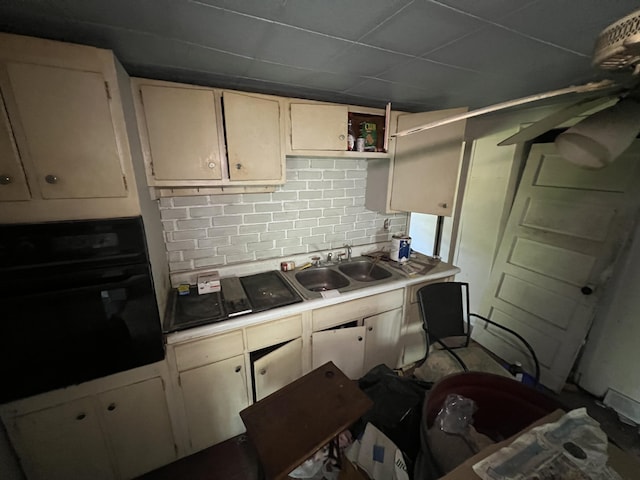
(262, 291)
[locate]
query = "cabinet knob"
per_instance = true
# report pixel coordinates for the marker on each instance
(211, 165)
(587, 290)
(52, 179)
(238, 166)
(81, 416)
(263, 371)
(238, 368)
(444, 205)
(341, 137)
(111, 407)
(359, 339)
(370, 329)
(5, 179)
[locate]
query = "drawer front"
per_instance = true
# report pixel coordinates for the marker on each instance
(209, 350)
(413, 289)
(273, 333)
(328, 317)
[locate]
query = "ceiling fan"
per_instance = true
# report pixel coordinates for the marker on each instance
(600, 138)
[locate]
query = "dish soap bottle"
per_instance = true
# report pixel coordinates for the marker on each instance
(351, 139)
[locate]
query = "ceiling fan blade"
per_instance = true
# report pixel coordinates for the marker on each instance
(556, 118)
(588, 87)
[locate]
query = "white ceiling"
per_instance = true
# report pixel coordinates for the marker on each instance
(420, 54)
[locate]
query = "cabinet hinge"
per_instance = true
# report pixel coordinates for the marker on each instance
(107, 89)
(124, 180)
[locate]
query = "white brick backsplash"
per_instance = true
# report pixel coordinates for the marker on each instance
(257, 228)
(233, 209)
(321, 207)
(189, 201)
(257, 218)
(268, 207)
(227, 220)
(273, 235)
(260, 246)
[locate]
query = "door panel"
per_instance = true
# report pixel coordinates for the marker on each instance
(383, 339)
(318, 127)
(69, 131)
(278, 368)
(565, 232)
(13, 183)
(252, 129)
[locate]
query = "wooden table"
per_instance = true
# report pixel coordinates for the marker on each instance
(290, 425)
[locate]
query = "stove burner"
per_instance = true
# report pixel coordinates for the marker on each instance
(193, 310)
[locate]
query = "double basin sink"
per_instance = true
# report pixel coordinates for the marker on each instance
(346, 276)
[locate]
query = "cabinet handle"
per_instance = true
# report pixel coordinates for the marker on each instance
(81, 416)
(341, 137)
(111, 407)
(263, 371)
(359, 339)
(52, 179)
(370, 329)
(238, 368)
(211, 165)
(5, 179)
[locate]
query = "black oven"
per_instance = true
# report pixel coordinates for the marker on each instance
(78, 303)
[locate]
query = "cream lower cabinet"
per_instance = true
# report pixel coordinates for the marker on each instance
(214, 394)
(118, 434)
(369, 336)
(277, 368)
(413, 339)
(213, 382)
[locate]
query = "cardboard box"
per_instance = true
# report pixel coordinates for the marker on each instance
(208, 283)
(624, 464)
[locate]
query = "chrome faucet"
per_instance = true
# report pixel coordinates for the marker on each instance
(348, 247)
(329, 257)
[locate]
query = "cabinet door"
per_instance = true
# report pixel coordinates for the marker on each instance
(13, 183)
(136, 419)
(182, 129)
(63, 442)
(213, 396)
(66, 118)
(254, 137)
(343, 346)
(278, 368)
(426, 164)
(382, 343)
(318, 127)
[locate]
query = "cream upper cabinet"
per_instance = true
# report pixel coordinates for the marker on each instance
(202, 137)
(62, 107)
(321, 129)
(318, 127)
(182, 131)
(426, 164)
(13, 182)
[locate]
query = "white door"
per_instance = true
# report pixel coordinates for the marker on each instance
(278, 368)
(382, 342)
(563, 237)
(342, 346)
(136, 418)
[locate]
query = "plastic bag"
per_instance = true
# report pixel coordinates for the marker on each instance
(456, 414)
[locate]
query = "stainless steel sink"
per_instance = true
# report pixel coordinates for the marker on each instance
(344, 277)
(321, 279)
(364, 271)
